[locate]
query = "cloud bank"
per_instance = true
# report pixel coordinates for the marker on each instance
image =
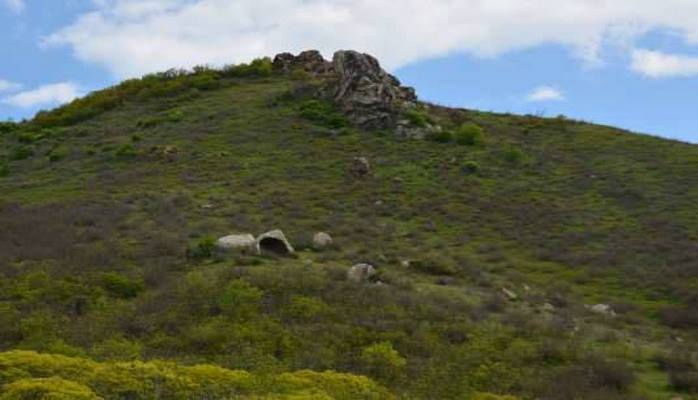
(7, 86)
(57, 93)
(132, 37)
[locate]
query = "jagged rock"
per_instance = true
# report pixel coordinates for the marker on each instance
(361, 167)
(361, 273)
(309, 61)
(322, 240)
(370, 96)
(603, 309)
(275, 242)
(244, 243)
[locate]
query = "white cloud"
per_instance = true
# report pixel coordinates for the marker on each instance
(131, 37)
(16, 6)
(545, 93)
(657, 64)
(7, 86)
(57, 93)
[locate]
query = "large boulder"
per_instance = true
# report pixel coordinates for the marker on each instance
(274, 242)
(322, 240)
(244, 243)
(371, 97)
(361, 273)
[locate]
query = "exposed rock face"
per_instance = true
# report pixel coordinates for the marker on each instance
(361, 167)
(244, 243)
(361, 273)
(322, 240)
(369, 96)
(309, 61)
(275, 242)
(366, 93)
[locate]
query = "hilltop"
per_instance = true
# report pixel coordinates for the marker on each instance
(512, 257)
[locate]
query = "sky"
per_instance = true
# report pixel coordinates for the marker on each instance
(627, 63)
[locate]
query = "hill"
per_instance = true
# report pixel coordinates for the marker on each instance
(539, 258)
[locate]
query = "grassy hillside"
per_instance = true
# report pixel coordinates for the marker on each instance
(110, 204)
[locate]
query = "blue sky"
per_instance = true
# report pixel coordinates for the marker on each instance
(629, 63)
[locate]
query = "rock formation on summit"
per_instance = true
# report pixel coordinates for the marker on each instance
(369, 96)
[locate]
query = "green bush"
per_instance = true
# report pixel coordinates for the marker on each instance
(240, 299)
(121, 286)
(471, 167)
(202, 249)
(417, 118)
(469, 134)
(514, 155)
(382, 361)
(8, 126)
(4, 169)
(126, 151)
(442, 136)
(58, 153)
(322, 113)
(21, 153)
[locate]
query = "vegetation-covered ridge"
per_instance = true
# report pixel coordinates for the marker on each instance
(538, 258)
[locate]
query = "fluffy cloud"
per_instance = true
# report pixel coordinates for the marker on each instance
(131, 37)
(657, 64)
(16, 6)
(57, 93)
(7, 86)
(545, 93)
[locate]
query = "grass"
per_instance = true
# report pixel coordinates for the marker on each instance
(93, 241)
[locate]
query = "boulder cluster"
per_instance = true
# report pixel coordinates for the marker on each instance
(368, 95)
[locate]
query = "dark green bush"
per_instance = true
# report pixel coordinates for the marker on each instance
(4, 169)
(58, 153)
(469, 134)
(471, 167)
(121, 286)
(202, 249)
(8, 126)
(443, 136)
(126, 151)
(21, 153)
(322, 113)
(514, 155)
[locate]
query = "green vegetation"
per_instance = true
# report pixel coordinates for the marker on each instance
(110, 285)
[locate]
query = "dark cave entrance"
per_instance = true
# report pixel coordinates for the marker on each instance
(273, 245)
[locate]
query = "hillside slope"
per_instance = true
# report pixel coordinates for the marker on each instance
(493, 237)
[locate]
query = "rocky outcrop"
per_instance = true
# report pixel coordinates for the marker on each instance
(368, 95)
(309, 61)
(371, 97)
(244, 243)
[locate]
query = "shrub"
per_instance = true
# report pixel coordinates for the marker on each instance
(121, 286)
(417, 118)
(435, 266)
(240, 299)
(469, 134)
(514, 155)
(471, 167)
(202, 249)
(322, 113)
(21, 153)
(4, 169)
(126, 151)
(382, 360)
(58, 153)
(442, 136)
(8, 126)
